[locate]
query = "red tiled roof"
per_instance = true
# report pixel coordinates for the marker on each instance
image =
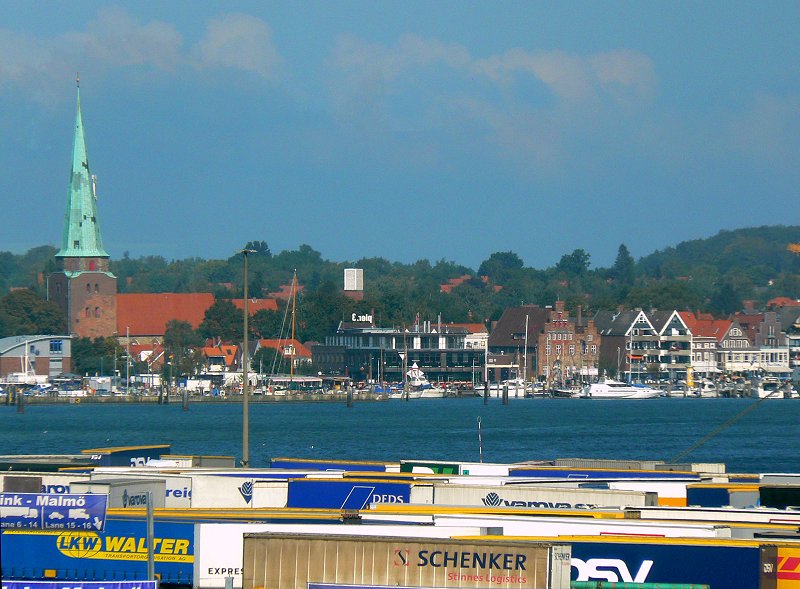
(254, 305)
(453, 282)
(301, 351)
(716, 328)
(148, 314)
(783, 302)
(225, 351)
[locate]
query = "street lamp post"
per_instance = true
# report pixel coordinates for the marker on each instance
(245, 376)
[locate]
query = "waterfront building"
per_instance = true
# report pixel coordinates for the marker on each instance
(706, 332)
(363, 351)
(83, 284)
(514, 341)
(567, 348)
(25, 359)
(645, 345)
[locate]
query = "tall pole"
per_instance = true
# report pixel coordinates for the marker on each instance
(128, 359)
(245, 376)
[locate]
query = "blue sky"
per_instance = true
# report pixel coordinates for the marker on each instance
(406, 130)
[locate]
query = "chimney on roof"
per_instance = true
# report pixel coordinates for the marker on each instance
(579, 319)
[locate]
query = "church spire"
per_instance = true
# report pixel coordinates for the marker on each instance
(81, 236)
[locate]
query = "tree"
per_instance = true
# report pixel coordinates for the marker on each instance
(576, 263)
(179, 343)
(725, 301)
(259, 247)
(623, 269)
(24, 312)
(266, 323)
(95, 356)
(222, 320)
(500, 262)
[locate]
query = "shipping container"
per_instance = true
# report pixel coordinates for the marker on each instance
(532, 495)
(45, 482)
(672, 492)
(512, 525)
(788, 569)
(219, 547)
(125, 493)
(127, 455)
(350, 494)
(780, 496)
(723, 564)
(273, 561)
(722, 495)
(599, 473)
(716, 514)
(119, 552)
(334, 465)
(455, 468)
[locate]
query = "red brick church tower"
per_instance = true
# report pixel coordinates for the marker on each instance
(83, 285)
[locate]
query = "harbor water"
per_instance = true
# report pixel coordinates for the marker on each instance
(762, 440)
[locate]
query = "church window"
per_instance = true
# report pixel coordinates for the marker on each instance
(97, 312)
(86, 312)
(96, 287)
(88, 287)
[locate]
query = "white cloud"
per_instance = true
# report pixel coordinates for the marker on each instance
(116, 39)
(238, 41)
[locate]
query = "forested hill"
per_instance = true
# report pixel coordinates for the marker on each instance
(757, 252)
(714, 274)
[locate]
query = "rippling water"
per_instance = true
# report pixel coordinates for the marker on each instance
(765, 439)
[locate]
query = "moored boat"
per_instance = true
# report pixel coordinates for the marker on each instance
(614, 389)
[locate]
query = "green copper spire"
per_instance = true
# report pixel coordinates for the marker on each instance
(81, 237)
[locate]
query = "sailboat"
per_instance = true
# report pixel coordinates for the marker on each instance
(418, 382)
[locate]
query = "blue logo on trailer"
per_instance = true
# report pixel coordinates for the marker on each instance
(43, 511)
(713, 565)
(345, 494)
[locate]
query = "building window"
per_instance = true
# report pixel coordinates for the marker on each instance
(86, 312)
(547, 349)
(96, 287)
(88, 287)
(572, 350)
(97, 312)
(558, 349)
(58, 288)
(56, 346)
(594, 348)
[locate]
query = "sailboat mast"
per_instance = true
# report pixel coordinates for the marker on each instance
(294, 308)
(525, 372)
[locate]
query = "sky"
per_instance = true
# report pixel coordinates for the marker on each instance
(444, 130)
